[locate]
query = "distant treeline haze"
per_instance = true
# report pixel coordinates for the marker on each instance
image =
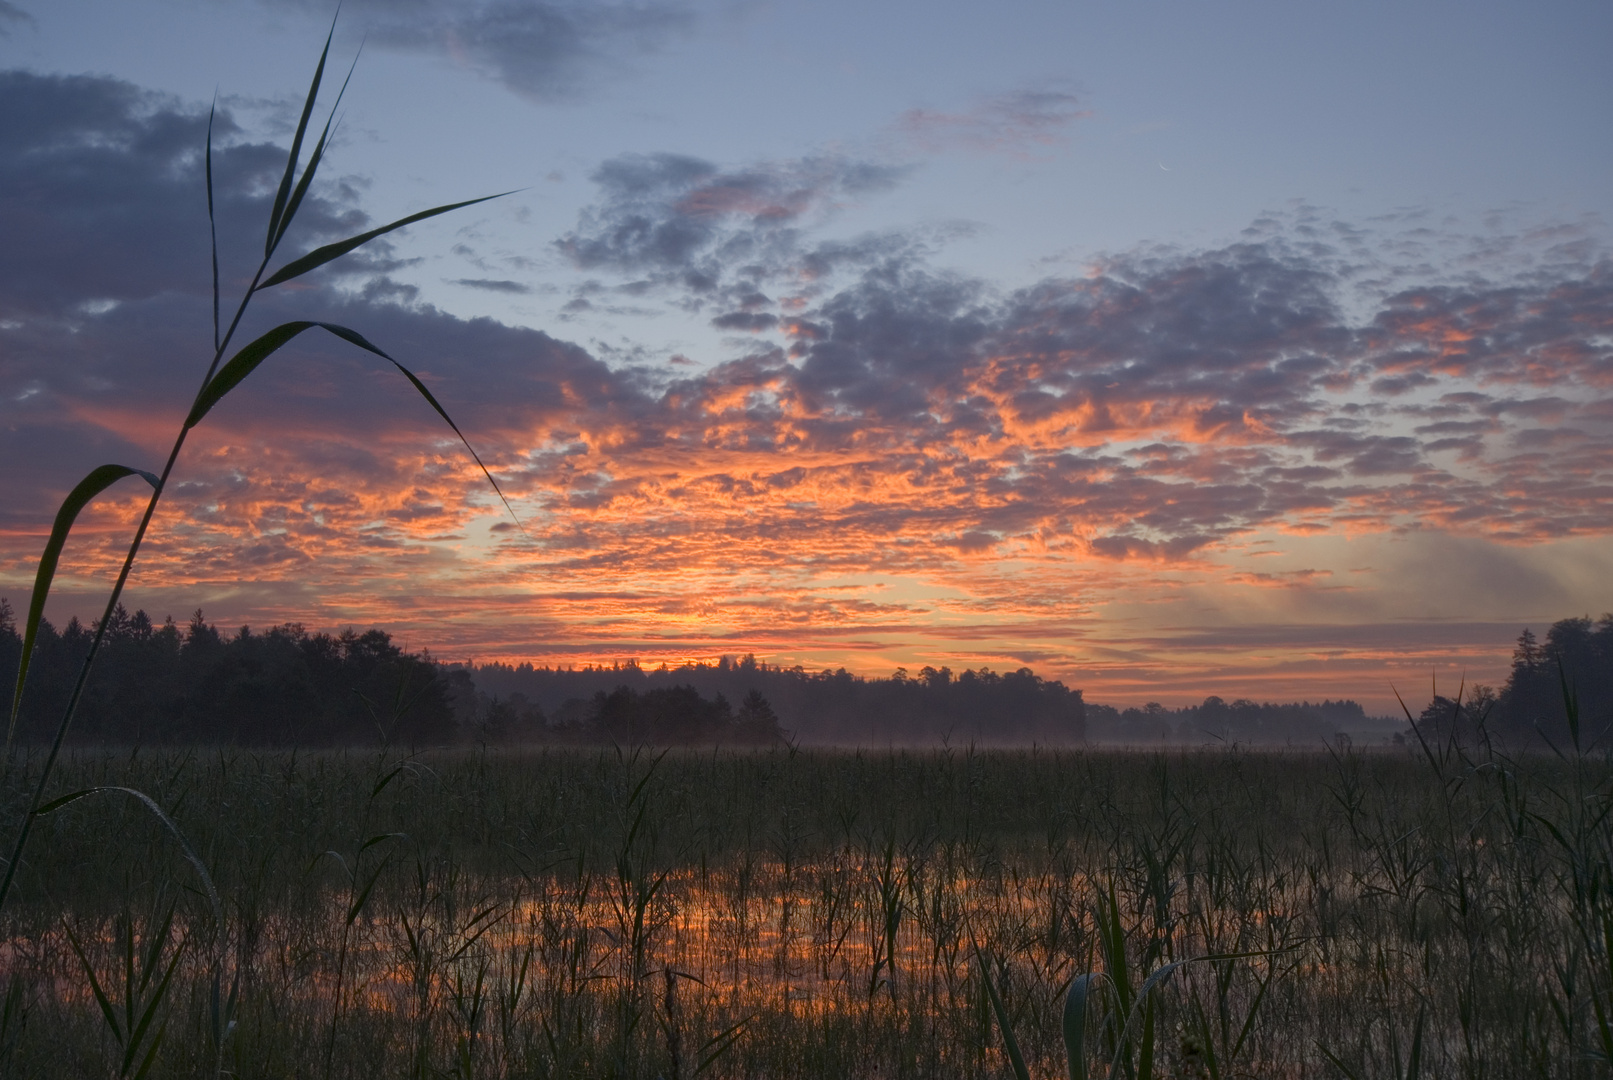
(1239, 721)
(191, 683)
(834, 707)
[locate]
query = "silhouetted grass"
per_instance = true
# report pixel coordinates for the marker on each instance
(779, 913)
(134, 993)
(785, 913)
(222, 376)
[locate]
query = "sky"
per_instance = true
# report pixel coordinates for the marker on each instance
(1168, 349)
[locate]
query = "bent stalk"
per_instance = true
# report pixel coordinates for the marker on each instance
(217, 382)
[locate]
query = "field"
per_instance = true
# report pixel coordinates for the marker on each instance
(811, 914)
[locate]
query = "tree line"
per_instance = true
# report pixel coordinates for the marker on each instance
(660, 716)
(285, 686)
(831, 706)
(1573, 667)
(1217, 720)
(194, 683)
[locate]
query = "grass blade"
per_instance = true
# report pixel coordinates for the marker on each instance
(358, 339)
(379, 838)
(1145, 1052)
(1142, 1002)
(212, 224)
(167, 822)
(247, 360)
(151, 1055)
(1570, 704)
(241, 365)
(1415, 1062)
(101, 999)
(88, 488)
(153, 1005)
(1015, 1058)
(1428, 751)
(276, 215)
(322, 255)
(1254, 1011)
(1112, 942)
(362, 900)
(1334, 1060)
(1206, 1040)
(380, 785)
(1075, 1025)
(719, 1044)
(313, 161)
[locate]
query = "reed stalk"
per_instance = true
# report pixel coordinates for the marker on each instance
(221, 377)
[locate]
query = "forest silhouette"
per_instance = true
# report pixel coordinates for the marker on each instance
(191, 684)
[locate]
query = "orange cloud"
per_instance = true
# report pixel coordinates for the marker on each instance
(904, 466)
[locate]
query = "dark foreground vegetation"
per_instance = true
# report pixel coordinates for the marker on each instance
(584, 913)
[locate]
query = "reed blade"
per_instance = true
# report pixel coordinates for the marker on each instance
(1075, 1025)
(252, 355)
(212, 224)
(330, 252)
(87, 489)
(167, 823)
(241, 365)
(284, 193)
(108, 1013)
(314, 159)
(1010, 1043)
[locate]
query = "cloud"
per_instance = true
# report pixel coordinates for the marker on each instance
(496, 285)
(681, 220)
(99, 193)
(1530, 332)
(12, 14)
(745, 320)
(1015, 124)
(899, 453)
(1282, 579)
(549, 52)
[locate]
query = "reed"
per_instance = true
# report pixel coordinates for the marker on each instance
(527, 908)
(221, 376)
(140, 1025)
(788, 912)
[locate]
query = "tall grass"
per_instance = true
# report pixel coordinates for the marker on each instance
(574, 913)
(221, 376)
(134, 1007)
(785, 913)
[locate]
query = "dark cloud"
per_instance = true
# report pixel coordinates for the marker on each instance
(1535, 331)
(1242, 358)
(12, 15)
(895, 418)
(548, 51)
(1249, 328)
(745, 320)
(681, 220)
(497, 285)
(100, 194)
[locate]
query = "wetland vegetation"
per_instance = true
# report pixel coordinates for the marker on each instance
(1437, 911)
(1444, 908)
